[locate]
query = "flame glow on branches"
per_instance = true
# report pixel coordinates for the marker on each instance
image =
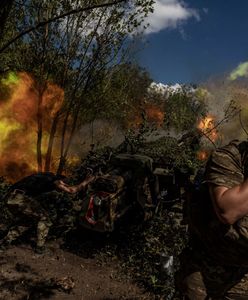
(153, 113)
(207, 126)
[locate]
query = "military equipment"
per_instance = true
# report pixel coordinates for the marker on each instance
(129, 181)
(132, 180)
(124, 185)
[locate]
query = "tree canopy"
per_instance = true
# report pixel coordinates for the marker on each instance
(76, 45)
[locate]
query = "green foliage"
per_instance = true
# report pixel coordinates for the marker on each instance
(135, 138)
(139, 246)
(162, 234)
(182, 111)
(167, 151)
(120, 93)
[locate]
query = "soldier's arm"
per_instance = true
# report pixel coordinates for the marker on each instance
(230, 204)
(74, 188)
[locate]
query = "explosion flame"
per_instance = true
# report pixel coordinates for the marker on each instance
(18, 124)
(153, 114)
(207, 127)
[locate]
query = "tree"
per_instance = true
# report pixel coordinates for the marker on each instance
(75, 50)
(103, 49)
(121, 93)
(183, 110)
(5, 8)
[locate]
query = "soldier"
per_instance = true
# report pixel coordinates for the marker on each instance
(26, 210)
(215, 265)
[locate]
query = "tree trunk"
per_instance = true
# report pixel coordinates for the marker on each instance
(51, 141)
(62, 162)
(63, 156)
(39, 131)
(41, 89)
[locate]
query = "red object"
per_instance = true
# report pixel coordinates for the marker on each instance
(90, 215)
(90, 212)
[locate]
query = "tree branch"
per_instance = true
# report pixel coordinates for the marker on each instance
(43, 23)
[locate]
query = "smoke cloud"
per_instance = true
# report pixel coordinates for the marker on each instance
(240, 71)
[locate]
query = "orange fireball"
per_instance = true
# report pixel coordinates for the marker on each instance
(207, 127)
(18, 124)
(202, 155)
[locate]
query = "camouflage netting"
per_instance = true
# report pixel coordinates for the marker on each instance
(165, 151)
(168, 151)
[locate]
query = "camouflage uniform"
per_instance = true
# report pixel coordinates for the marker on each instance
(31, 206)
(216, 263)
(26, 212)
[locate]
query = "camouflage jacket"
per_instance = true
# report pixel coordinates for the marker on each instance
(228, 244)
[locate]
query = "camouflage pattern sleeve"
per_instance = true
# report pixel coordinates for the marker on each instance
(224, 167)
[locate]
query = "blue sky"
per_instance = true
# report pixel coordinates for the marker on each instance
(191, 41)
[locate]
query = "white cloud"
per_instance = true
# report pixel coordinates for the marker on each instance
(169, 14)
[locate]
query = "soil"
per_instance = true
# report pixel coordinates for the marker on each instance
(86, 265)
(62, 273)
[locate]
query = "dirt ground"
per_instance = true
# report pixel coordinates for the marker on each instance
(86, 265)
(61, 274)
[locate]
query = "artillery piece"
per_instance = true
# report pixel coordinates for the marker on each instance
(129, 181)
(132, 180)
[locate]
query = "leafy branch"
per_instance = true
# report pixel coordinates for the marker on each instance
(61, 16)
